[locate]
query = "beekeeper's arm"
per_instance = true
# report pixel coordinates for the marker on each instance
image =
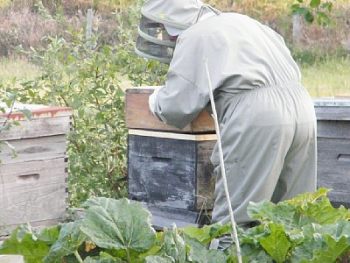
(186, 91)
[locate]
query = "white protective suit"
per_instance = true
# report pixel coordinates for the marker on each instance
(267, 118)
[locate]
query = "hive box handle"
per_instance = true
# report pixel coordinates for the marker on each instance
(161, 159)
(344, 157)
(28, 177)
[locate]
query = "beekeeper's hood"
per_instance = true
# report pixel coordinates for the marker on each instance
(163, 19)
(180, 14)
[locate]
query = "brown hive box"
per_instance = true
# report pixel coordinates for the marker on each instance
(138, 115)
(33, 183)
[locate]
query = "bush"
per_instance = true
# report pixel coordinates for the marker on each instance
(86, 76)
(86, 80)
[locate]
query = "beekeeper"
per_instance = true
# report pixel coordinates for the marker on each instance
(266, 116)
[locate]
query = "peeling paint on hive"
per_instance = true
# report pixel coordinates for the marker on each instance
(37, 111)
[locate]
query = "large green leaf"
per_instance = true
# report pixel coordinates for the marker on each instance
(25, 243)
(320, 249)
(315, 3)
(103, 258)
(305, 252)
(174, 246)
(276, 244)
(252, 254)
(322, 212)
(207, 233)
(323, 243)
(253, 235)
(338, 230)
(69, 240)
(49, 235)
(300, 211)
(332, 250)
(200, 254)
(265, 212)
(118, 224)
(159, 259)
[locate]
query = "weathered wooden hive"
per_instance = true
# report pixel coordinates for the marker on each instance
(169, 169)
(33, 182)
(333, 119)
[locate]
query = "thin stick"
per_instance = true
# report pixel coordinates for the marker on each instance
(222, 164)
(78, 257)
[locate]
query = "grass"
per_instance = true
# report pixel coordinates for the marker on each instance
(4, 3)
(328, 78)
(17, 68)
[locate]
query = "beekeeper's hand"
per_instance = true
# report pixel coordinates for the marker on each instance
(152, 99)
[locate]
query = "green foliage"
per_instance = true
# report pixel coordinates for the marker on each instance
(119, 225)
(276, 243)
(7, 107)
(67, 243)
(299, 229)
(198, 252)
(34, 247)
(119, 231)
(207, 233)
(315, 10)
(7, 104)
(89, 80)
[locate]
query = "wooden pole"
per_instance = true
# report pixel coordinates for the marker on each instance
(222, 164)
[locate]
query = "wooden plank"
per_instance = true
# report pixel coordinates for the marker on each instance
(27, 171)
(32, 191)
(176, 136)
(333, 113)
(334, 164)
(205, 176)
(333, 129)
(37, 128)
(164, 148)
(138, 115)
(41, 148)
(11, 259)
(44, 202)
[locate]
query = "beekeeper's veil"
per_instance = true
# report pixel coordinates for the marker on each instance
(162, 21)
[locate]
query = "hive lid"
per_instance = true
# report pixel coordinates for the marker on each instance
(332, 109)
(37, 111)
(332, 102)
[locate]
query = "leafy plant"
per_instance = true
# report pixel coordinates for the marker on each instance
(315, 10)
(304, 229)
(89, 80)
(7, 107)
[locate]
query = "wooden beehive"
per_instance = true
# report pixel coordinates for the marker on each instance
(333, 121)
(33, 183)
(171, 170)
(138, 116)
